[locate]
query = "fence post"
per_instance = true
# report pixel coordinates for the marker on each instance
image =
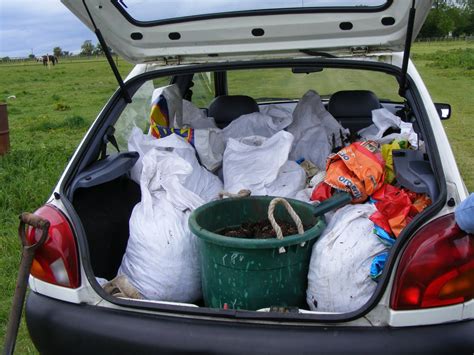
(4, 131)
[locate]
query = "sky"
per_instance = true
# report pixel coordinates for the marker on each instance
(37, 26)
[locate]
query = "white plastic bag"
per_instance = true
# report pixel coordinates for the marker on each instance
(314, 129)
(196, 118)
(256, 163)
(200, 181)
(382, 120)
(258, 124)
(161, 260)
(338, 278)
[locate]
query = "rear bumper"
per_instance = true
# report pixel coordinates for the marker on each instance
(58, 327)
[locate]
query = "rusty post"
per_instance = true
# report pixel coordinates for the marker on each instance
(4, 132)
(27, 256)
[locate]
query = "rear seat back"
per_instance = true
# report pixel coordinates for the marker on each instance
(353, 108)
(224, 109)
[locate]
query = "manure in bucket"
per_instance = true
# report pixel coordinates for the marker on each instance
(259, 230)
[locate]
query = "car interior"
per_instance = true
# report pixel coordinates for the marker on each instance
(104, 196)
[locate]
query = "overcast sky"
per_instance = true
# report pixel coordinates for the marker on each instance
(39, 26)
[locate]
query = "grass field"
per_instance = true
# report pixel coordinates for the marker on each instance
(53, 109)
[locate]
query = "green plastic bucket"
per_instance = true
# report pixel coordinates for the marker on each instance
(251, 274)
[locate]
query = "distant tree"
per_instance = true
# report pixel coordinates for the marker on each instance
(439, 23)
(87, 48)
(65, 53)
(32, 56)
(5, 59)
(98, 49)
(57, 51)
(465, 4)
(469, 29)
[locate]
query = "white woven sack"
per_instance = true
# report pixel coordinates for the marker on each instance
(254, 163)
(161, 260)
(338, 278)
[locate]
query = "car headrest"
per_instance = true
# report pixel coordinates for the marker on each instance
(226, 108)
(353, 103)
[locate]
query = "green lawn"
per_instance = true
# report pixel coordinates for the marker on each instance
(52, 110)
(447, 69)
(54, 107)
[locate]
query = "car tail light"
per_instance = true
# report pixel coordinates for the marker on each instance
(437, 267)
(56, 260)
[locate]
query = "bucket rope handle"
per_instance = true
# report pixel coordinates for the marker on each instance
(241, 193)
(291, 212)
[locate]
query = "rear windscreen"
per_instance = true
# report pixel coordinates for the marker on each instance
(152, 10)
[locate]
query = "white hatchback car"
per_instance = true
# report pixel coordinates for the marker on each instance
(231, 58)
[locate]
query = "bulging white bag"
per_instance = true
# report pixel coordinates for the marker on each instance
(161, 260)
(256, 163)
(338, 277)
(200, 181)
(314, 129)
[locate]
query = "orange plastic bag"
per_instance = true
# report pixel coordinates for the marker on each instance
(357, 169)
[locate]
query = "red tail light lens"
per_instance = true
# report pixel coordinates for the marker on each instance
(436, 269)
(56, 260)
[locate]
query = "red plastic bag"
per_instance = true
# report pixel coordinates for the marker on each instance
(396, 208)
(321, 192)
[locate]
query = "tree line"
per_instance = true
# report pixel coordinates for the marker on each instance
(87, 49)
(449, 18)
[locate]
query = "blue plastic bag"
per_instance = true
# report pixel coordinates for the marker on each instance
(378, 264)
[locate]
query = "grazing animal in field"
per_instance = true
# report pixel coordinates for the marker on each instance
(52, 59)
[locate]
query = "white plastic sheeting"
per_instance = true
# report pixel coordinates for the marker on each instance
(210, 146)
(338, 278)
(194, 117)
(259, 124)
(382, 120)
(314, 128)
